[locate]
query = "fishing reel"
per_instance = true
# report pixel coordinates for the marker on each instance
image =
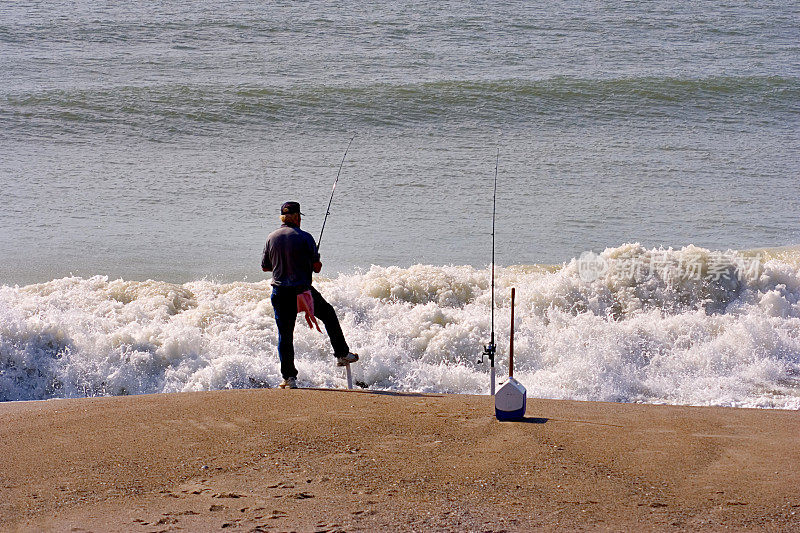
(488, 350)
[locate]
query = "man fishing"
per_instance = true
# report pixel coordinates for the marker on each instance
(292, 255)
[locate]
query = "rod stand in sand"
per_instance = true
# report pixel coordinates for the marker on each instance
(492, 376)
(489, 351)
(349, 376)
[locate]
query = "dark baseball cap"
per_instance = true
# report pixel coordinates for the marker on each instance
(289, 208)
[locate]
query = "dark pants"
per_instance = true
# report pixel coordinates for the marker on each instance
(284, 303)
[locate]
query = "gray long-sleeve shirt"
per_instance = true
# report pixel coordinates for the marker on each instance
(290, 253)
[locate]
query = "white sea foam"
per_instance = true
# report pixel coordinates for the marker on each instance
(649, 337)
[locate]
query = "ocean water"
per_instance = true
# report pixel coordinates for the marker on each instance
(145, 148)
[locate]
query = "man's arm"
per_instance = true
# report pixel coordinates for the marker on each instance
(266, 264)
(316, 265)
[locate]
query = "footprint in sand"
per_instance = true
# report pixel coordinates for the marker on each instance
(281, 485)
(227, 495)
(324, 527)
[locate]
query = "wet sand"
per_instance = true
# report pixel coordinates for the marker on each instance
(314, 460)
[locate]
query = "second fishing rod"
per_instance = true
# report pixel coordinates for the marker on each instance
(490, 349)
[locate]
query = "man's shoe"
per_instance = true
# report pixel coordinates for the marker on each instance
(347, 359)
(289, 383)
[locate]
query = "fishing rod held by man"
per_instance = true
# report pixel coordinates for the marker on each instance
(333, 190)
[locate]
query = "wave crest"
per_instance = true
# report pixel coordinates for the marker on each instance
(182, 107)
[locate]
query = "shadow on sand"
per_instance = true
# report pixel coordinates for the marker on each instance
(380, 392)
(528, 420)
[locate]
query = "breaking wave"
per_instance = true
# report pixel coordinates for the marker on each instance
(714, 333)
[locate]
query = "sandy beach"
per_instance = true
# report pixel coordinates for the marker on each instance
(319, 460)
